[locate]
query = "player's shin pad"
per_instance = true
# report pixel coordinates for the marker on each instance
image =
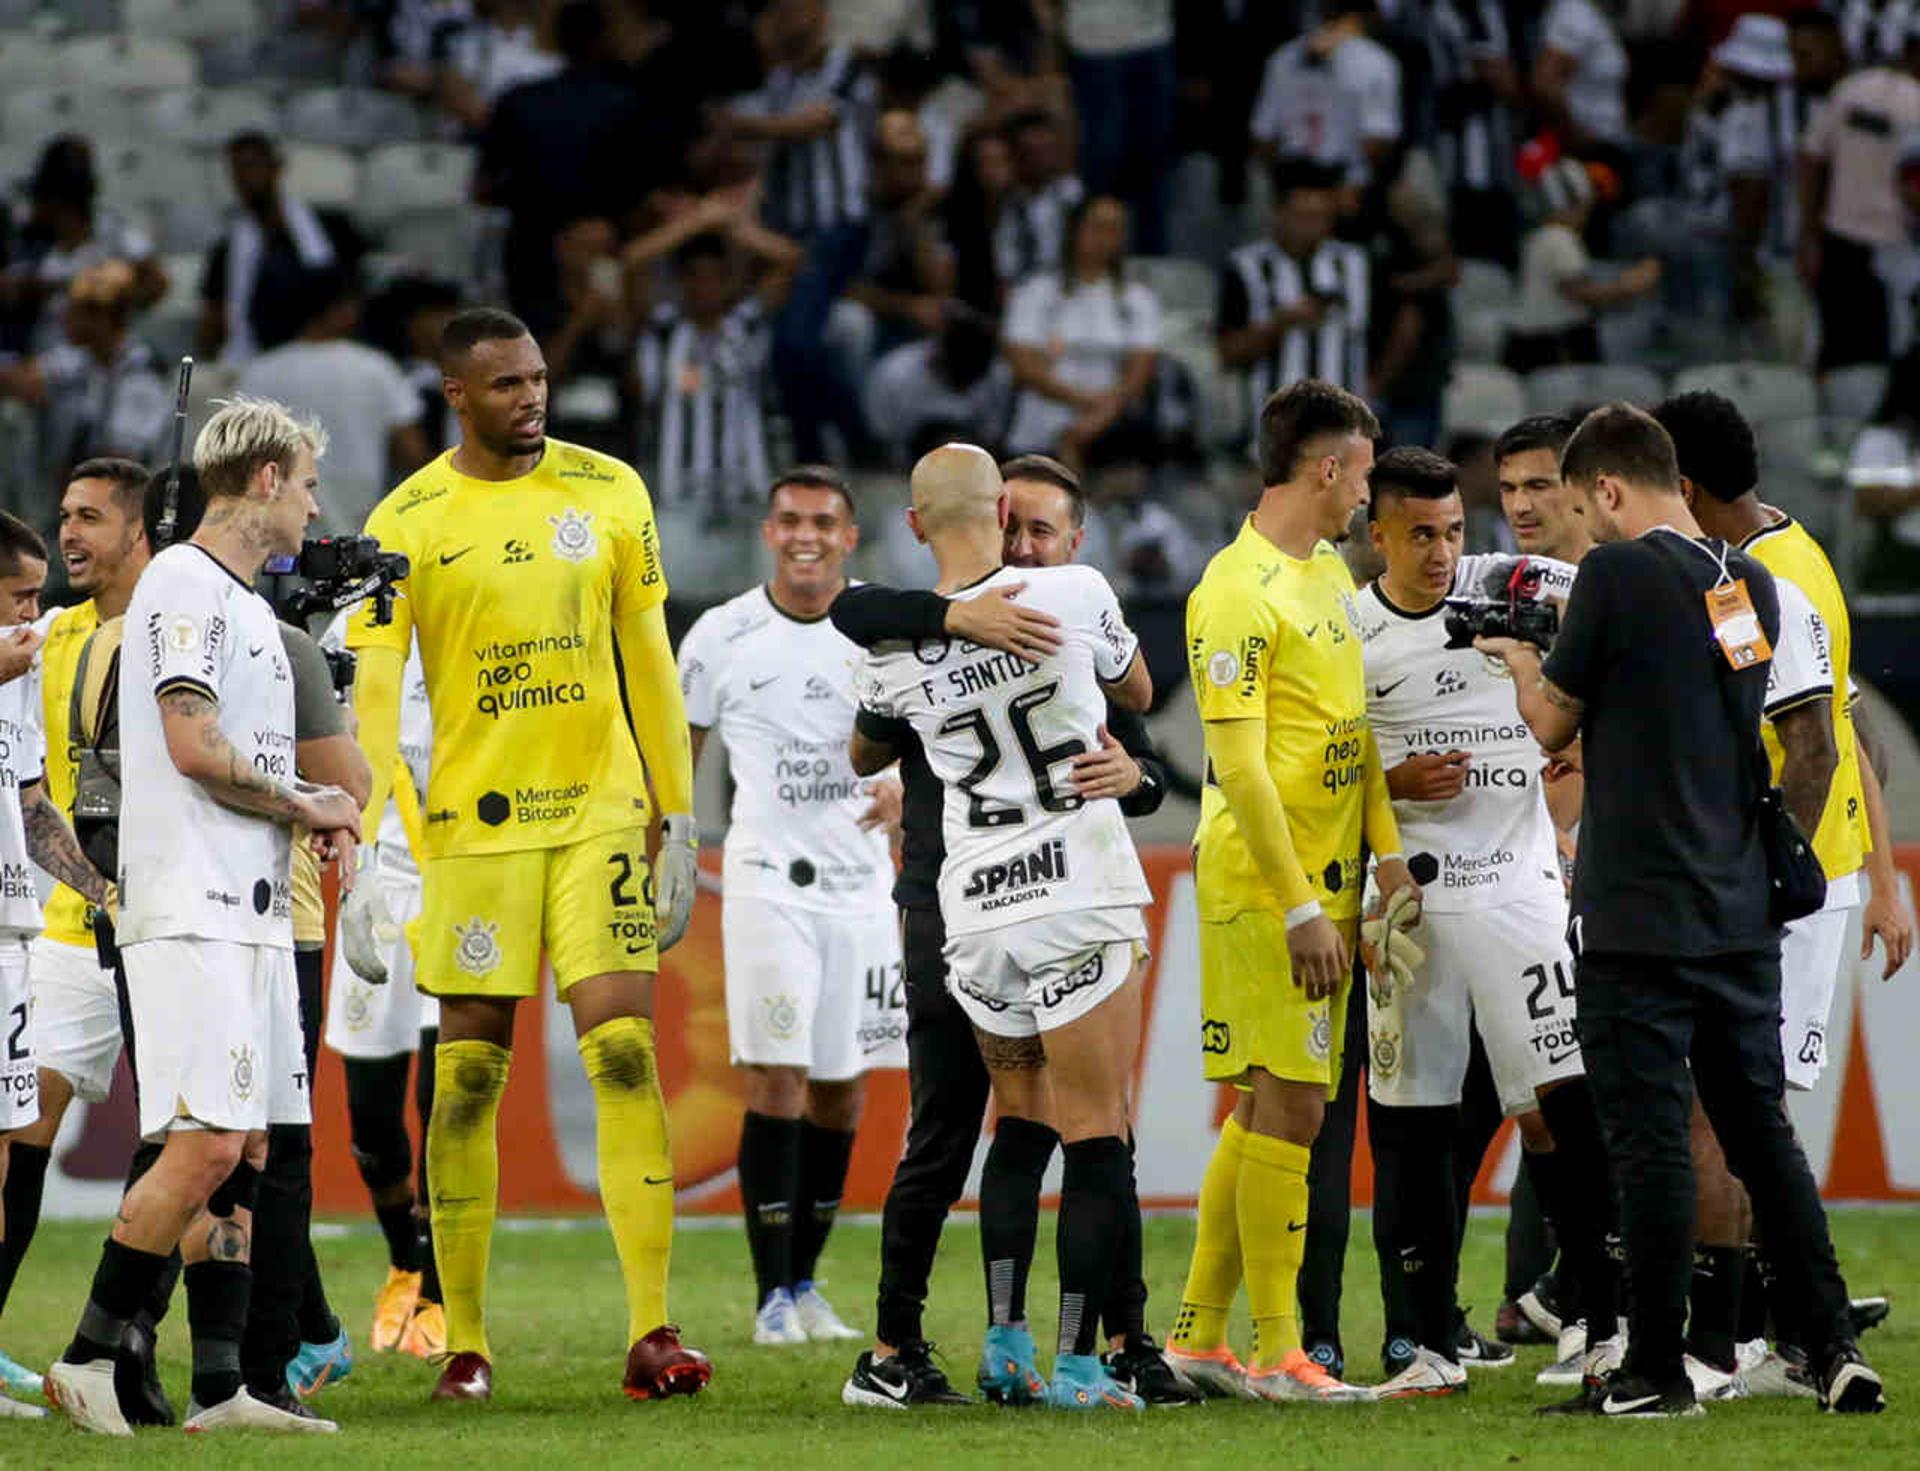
(463, 1180)
(636, 1167)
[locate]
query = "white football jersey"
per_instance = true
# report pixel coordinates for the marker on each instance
(416, 744)
(190, 866)
(1494, 843)
(779, 693)
(23, 760)
(1802, 663)
(1001, 735)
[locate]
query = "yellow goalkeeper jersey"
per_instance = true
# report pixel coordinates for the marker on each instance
(515, 591)
(1787, 549)
(1273, 637)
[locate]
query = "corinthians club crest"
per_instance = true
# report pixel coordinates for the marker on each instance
(573, 538)
(478, 953)
(244, 1069)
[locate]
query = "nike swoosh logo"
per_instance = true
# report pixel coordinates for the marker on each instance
(1310, 629)
(760, 684)
(663, 1180)
(1555, 1059)
(253, 650)
(891, 1391)
(1296, 1225)
(1381, 691)
(447, 559)
(1612, 1406)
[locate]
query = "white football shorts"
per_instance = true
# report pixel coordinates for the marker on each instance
(217, 1024)
(1506, 970)
(811, 990)
(1812, 953)
(19, 1068)
(76, 1016)
(1025, 979)
(367, 1021)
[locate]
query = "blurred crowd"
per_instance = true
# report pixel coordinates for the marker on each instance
(845, 230)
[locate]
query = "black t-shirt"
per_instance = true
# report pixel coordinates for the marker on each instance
(870, 614)
(1670, 859)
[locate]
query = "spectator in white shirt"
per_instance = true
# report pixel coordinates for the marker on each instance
(370, 411)
(1333, 96)
(1553, 322)
(957, 381)
(1082, 342)
(1580, 77)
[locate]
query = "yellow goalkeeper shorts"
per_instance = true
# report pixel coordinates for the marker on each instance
(485, 918)
(1252, 1015)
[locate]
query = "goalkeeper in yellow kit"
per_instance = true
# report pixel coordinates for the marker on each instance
(536, 594)
(1294, 784)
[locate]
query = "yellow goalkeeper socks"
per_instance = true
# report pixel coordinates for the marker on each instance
(463, 1179)
(1273, 1241)
(1213, 1276)
(636, 1169)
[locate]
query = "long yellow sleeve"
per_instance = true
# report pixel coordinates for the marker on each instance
(1377, 824)
(658, 712)
(407, 802)
(377, 685)
(1237, 750)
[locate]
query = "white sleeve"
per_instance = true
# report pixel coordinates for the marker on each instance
(699, 656)
(1268, 106)
(1105, 627)
(403, 405)
(187, 636)
(1142, 318)
(32, 757)
(1802, 666)
(1566, 28)
(1032, 302)
(1380, 98)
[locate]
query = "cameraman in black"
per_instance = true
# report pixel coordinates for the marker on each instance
(1660, 670)
(293, 1340)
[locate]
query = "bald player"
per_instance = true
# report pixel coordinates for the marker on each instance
(1041, 890)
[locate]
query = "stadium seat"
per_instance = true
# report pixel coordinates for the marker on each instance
(1220, 396)
(1482, 398)
(407, 178)
(192, 20)
(1850, 396)
(40, 113)
(205, 117)
(172, 188)
(1583, 385)
(1762, 390)
(128, 63)
(60, 17)
(322, 175)
(26, 60)
(1799, 473)
(1185, 287)
(169, 326)
(351, 117)
(1482, 303)
(440, 242)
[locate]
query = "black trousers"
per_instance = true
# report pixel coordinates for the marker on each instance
(949, 1087)
(1330, 1187)
(287, 1293)
(1653, 1030)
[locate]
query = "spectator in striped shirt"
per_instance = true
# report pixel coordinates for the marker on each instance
(1297, 304)
(815, 113)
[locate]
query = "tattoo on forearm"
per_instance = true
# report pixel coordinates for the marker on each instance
(52, 845)
(1804, 788)
(1559, 698)
(256, 790)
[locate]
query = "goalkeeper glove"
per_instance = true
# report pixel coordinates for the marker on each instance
(1390, 953)
(368, 931)
(674, 879)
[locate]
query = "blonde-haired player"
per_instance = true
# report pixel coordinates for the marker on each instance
(531, 560)
(1294, 785)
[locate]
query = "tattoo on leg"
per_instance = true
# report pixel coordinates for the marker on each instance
(1010, 1053)
(226, 1242)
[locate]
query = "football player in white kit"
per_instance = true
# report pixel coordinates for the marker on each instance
(377, 1020)
(1040, 888)
(1464, 773)
(814, 993)
(30, 827)
(205, 926)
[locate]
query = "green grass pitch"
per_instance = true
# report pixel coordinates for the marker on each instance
(557, 1322)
